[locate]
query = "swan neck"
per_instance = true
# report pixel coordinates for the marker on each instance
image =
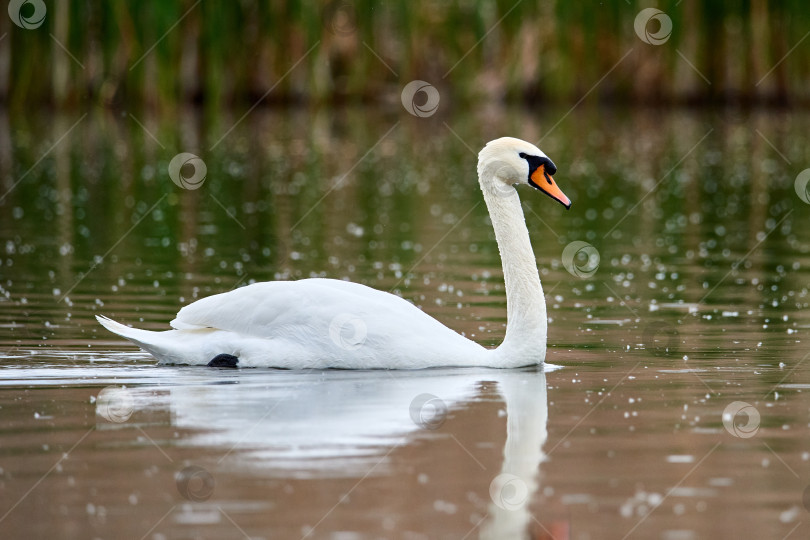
(526, 325)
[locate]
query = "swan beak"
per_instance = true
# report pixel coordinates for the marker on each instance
(543, 181)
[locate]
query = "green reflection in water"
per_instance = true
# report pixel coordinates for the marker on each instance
(694, 216)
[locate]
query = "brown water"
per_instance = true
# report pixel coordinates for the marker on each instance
(696, 304)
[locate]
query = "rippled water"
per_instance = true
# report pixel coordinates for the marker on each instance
(694, 302)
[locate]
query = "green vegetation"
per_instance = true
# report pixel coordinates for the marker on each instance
(221, 53)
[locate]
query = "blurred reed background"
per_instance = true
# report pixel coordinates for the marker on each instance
(221, 53)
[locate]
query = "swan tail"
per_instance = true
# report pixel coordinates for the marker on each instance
(147, 340)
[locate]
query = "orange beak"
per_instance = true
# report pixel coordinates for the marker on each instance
(543, 181)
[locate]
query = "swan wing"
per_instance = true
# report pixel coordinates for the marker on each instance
(323, 323)
(308, 309)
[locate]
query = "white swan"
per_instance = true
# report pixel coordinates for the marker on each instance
(326, 323)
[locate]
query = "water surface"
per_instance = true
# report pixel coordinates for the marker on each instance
(696, 304)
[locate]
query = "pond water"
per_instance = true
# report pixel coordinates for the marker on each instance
(675, 402)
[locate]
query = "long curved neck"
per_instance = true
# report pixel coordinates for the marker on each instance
(526, 325)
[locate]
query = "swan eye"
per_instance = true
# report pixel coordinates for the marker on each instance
(536, 162)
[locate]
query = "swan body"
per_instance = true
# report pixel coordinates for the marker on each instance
(310, 323)
(326, 323)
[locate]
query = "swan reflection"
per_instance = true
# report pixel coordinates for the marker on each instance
(331, 424)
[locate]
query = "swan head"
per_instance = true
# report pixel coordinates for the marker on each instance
(506, 162)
